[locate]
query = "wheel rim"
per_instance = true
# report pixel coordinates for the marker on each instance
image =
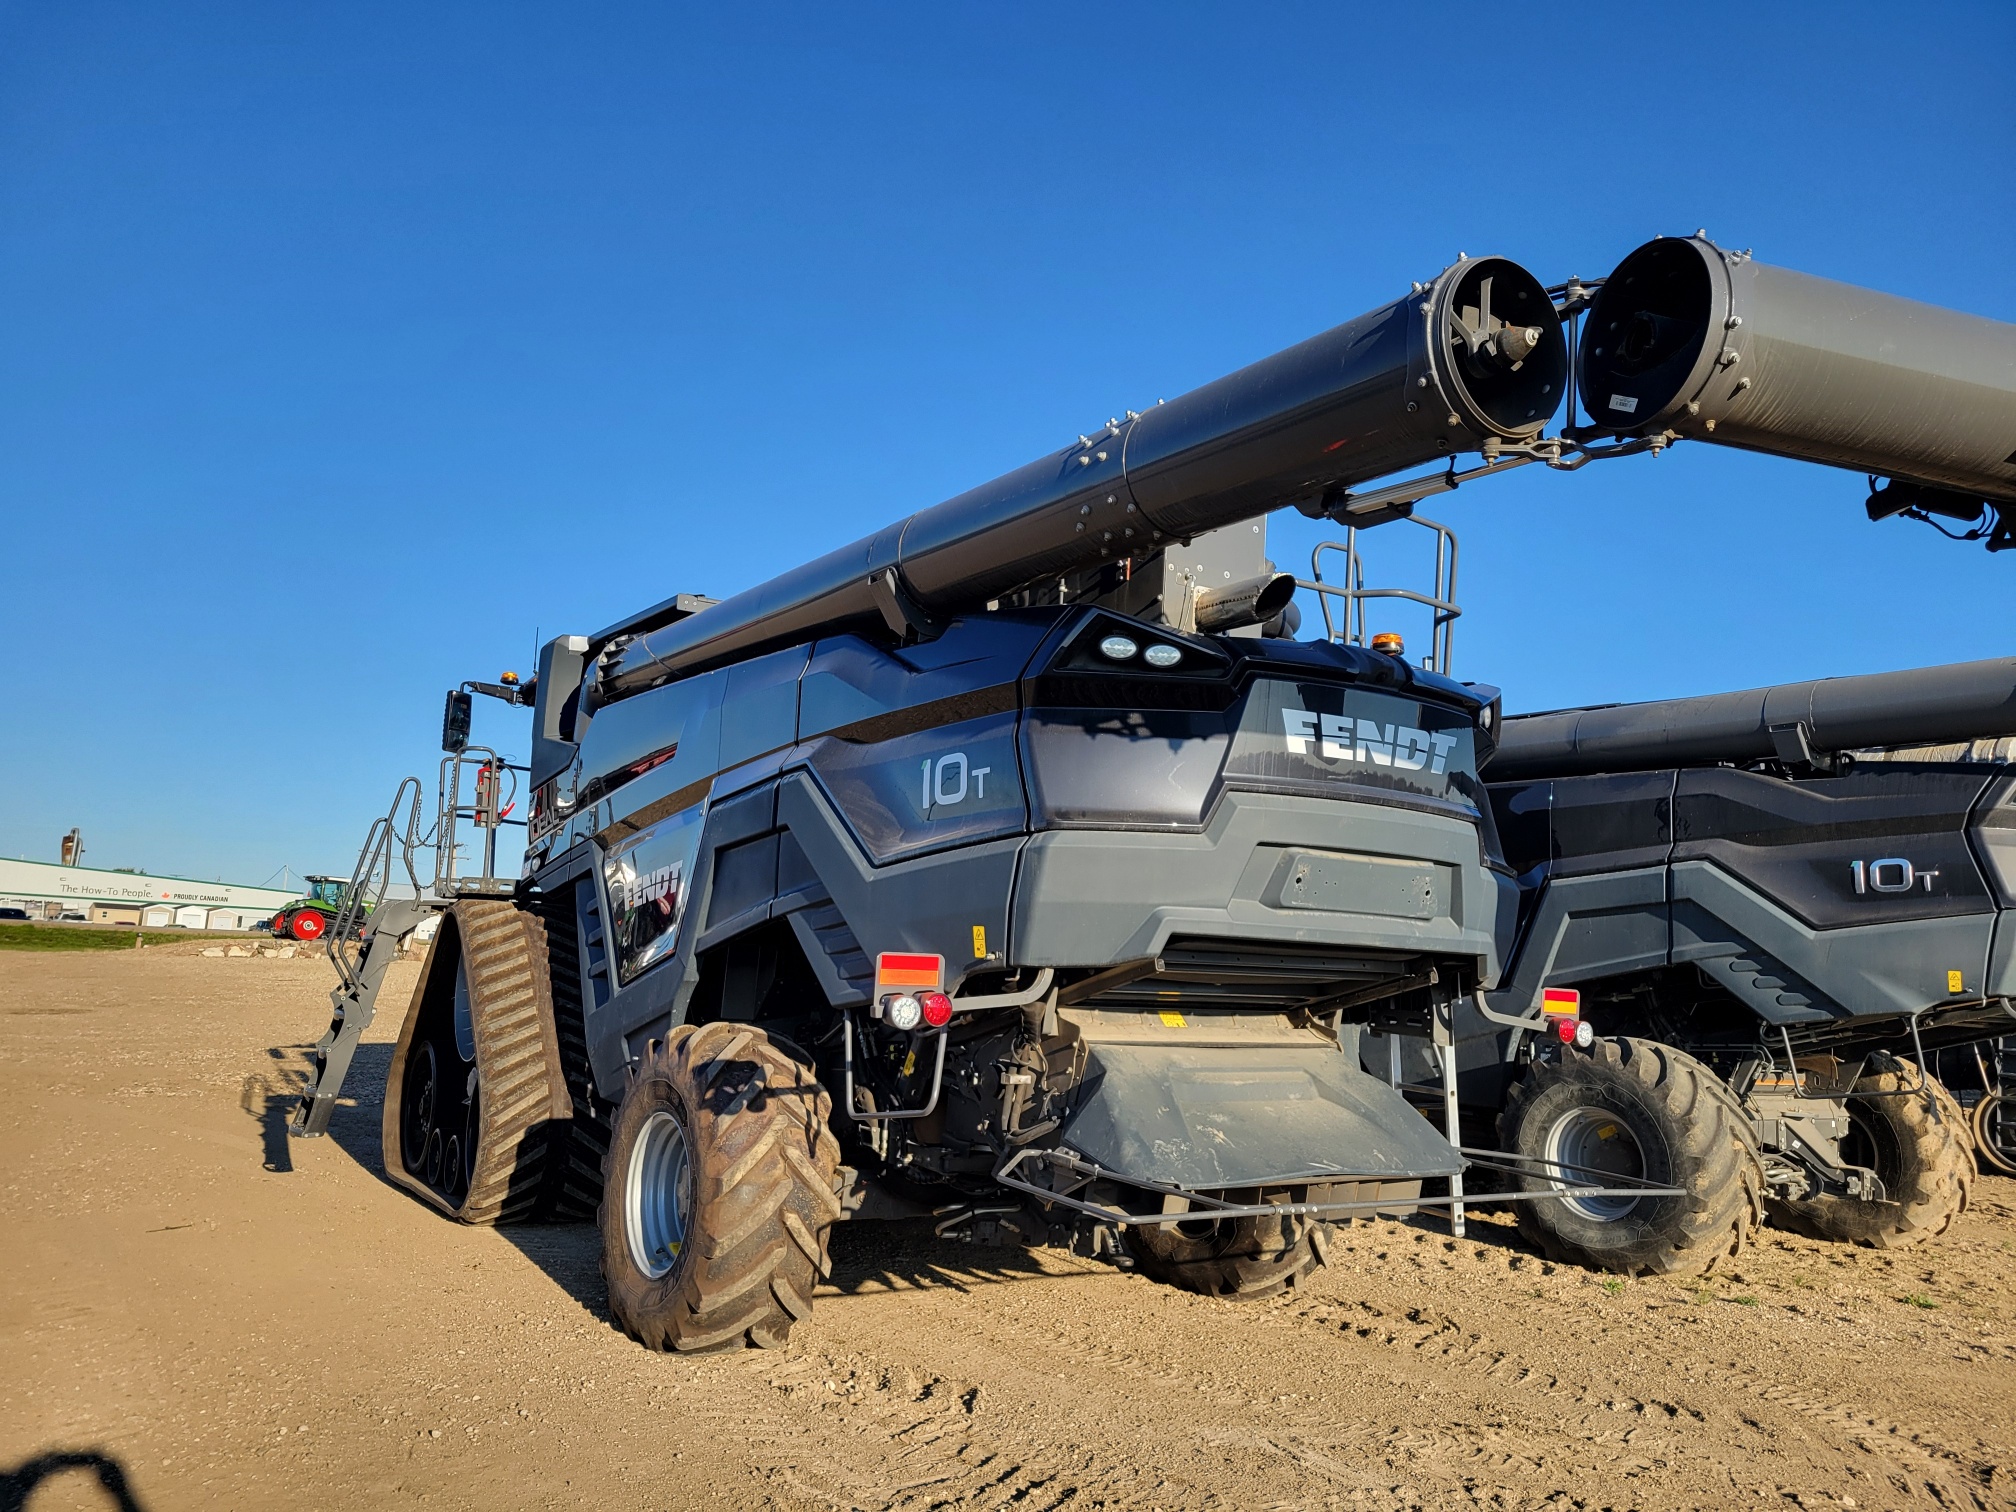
(657, 1195)
(308, 925)
(465, 1020)
(422, 1093)
(1595, 1140)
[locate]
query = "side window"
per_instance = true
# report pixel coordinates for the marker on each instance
(641, 751)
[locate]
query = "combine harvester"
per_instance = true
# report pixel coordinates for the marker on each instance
(1013, 866)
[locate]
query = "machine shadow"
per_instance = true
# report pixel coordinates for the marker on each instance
(906, 1254)
(903, 1255)
(355, 1125)
(19, 1482)
(867, 1257)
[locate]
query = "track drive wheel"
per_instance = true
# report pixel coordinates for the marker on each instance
(718, 1194)
(1238, 1258)
(1637, 1109)
(1926, 1162)
(308, 924)
(476, 1109)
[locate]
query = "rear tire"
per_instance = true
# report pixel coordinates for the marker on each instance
(1926, 1163)
(476, 1111)
(718, 1193)
(1639, 1109)
(1240, 1258)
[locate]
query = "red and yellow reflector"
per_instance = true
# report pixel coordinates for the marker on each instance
(1561, 1002)
(895, 973)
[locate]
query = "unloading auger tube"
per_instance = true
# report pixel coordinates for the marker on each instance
(1687, 339)
(1801, 723)
(1475, 355)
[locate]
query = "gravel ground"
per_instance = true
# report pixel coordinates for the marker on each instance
(228, 1319)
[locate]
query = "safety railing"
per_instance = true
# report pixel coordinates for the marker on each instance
(1352, 595)
(392, 841)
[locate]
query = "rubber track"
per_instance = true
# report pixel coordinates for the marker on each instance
(504, 949)
(1941, 1159)
(763, 1201)
(1725, 1200)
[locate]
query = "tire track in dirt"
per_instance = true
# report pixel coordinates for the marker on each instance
(1922, 1465)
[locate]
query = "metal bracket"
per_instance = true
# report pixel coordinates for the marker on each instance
(1534, 1024)
(1793, 744)
(1021, 999)
(900, 612)
(1199, 1205)
(897, 1115)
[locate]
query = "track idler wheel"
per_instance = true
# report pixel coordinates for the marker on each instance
(718, 1194)
(308, 925)
(477, 1113)
(1644, 1112)
(1925, 1159)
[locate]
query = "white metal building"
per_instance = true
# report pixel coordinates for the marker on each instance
(137, 898)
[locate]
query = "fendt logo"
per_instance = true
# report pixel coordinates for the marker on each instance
(1341, 738)
(655, 886)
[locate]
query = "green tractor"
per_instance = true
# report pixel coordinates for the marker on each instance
(313, 916)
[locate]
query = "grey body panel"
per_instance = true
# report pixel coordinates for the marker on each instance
(1218, 1118)
(1586, 928)
(1740, 937)
(1080, 898)
(1816, 901)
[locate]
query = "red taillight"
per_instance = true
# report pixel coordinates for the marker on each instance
(937, 1008)
(1566, 1029)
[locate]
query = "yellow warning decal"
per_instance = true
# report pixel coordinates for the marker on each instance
(1173, 1020)
(979, 942)
(1955, 982)
(910, 1063)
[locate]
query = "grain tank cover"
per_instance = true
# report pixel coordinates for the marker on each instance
(1712, 345)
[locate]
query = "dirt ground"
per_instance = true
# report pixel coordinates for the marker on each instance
(212, 1316)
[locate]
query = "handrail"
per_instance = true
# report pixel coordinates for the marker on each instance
(1354, 593)
(371, 879)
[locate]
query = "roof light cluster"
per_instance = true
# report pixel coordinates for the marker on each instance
(1122, 648)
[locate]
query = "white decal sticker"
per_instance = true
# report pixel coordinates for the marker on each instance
(1400, 746)
(1301, 727)
(1625, 402)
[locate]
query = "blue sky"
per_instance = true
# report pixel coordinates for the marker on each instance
(345, 348)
